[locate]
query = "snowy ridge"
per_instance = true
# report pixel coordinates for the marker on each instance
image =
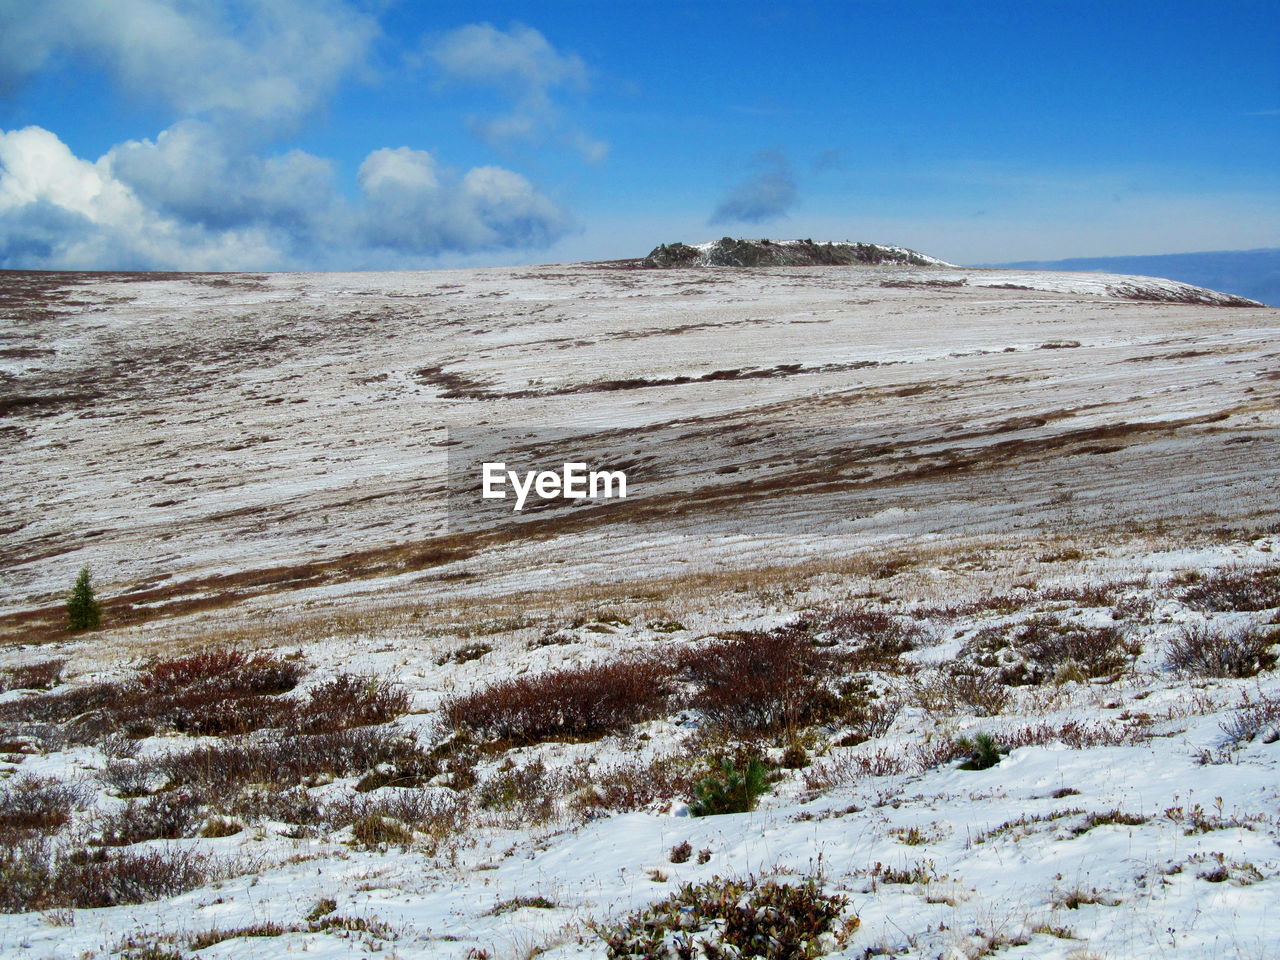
(1117, 286)
(731, 252)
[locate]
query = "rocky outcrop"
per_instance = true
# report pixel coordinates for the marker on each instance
(729, 252)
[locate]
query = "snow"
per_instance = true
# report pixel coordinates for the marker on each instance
(962, 447)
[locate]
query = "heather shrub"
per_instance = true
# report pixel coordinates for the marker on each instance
(217, 692)
(869, 718)
(1253, 717)
(876, 637)
(635, 786)
(347, 701)
(214, 693)
(427, 816)
(958, 690)
(578, 703)
(1096, 594)
(220, 769)
(129, 778)
(760, 682)
(33, 676)
(231, 672)
(373, 831)
(33, 877)
(166, 816)
(1209, 650)
(1046, 648)
(530, 790)
(38, 804)
(735, 918)
(1235, 589)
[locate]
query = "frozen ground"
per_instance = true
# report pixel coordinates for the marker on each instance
(976, 508)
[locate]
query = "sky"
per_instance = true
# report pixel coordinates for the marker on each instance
(406, 134)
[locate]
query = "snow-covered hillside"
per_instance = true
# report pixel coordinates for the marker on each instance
(879, 515)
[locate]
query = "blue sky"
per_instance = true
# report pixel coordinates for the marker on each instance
(321, 134)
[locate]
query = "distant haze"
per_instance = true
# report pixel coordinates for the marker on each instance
(1247, 273)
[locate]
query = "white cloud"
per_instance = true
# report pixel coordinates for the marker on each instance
(59, 210)
(187, 201)
(190, 172)
(527, 68)
(203, 194)
(520, 58)
(414, 205)
(262, 62)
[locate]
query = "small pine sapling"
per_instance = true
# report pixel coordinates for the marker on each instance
(732, 791)
(83, 611)
(983, 750)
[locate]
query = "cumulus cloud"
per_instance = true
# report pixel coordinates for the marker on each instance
(208, 194)
(522, 64)
(415, 205)
(188, 201)
(59, 210)
(191, 172)
(765, 195)
(252, 61)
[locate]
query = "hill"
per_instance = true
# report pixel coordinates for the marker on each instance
(1247, 273)
(342, 704)
(731, 252)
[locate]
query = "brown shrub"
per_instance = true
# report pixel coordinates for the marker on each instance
(1100, 594)
(167, 816)
(635, 786)
(1076, 734)
(33, 676)
(1235, 589)
(1208, 650)
(34, 878)
(760, 682)
(229, 672)
(578, 703)
(980, 693)
(219, 770)
(1253, 717)
(875, 634)
(870, 719)
(348, 701)
(128, 777)
(846, 768)
(1041, 649)
(433, 815)
(529, 791)
(217, 692)
(38, 804)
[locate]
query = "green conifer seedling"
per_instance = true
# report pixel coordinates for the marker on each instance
(83, 612)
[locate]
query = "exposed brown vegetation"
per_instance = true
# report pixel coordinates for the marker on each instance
(1235, 589)
(1211, 650)
(575, 703)
(759, 682)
